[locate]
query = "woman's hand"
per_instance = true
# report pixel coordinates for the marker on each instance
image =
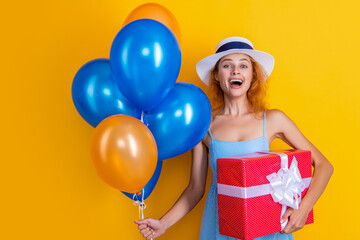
(296, 219)
(151, 228)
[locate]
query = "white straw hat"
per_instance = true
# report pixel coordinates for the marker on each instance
(233, 45)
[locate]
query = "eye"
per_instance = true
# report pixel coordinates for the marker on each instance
(243, 66)
(226, 66)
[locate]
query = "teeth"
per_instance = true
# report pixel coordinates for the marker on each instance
(236, 80)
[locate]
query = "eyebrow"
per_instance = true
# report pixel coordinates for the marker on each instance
(228, 59)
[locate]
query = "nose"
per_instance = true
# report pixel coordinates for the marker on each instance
(235, 71)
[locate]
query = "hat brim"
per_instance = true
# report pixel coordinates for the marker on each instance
(204, 66)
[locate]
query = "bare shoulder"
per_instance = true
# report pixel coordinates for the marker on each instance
(278, 123)
(276, 117)
(207, 139)
(275, 114)
(216, 121)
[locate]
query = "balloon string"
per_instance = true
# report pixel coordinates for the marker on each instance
(141, 204)
(144, 118)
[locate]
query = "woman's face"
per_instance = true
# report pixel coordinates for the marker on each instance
(235, 73)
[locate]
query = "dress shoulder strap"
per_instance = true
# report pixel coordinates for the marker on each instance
(210, 135)
(264, 122)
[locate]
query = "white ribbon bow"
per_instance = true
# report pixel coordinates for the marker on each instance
(287, 186)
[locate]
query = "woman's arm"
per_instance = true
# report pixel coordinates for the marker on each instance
(281, 126)
(152, 228)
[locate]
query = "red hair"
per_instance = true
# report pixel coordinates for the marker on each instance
(256, 93)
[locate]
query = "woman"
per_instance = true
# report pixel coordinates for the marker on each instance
(241, 124)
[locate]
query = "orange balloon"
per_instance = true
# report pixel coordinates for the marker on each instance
(156, 12)
(124, 153)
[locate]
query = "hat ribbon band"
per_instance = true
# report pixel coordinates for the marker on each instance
(233, 45)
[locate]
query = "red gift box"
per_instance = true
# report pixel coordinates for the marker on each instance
(246, 199)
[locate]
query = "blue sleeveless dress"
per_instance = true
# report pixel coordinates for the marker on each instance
(218, 149)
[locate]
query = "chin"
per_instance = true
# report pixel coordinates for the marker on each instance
(236, 94)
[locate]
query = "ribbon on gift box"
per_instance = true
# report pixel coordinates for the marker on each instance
(285, 186)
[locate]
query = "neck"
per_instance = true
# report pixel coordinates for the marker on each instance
(236, 106)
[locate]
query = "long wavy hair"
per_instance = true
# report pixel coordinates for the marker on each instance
(256, 93)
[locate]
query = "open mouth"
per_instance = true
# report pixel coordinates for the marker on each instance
(236, 82)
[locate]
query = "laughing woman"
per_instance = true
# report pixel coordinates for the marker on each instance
(241, 124)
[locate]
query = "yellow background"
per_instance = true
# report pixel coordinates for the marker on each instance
(49, 188)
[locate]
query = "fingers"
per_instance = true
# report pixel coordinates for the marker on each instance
(286, 215)
(142, 226)
(147, 228)
(143, 221)
(292, 227)
(288, 229)
(150, 235)
(296, 220)
(147, 232)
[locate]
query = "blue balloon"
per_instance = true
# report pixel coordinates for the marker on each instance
(149, 187)
(180, 121)
(145, 59)
(96, 95)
